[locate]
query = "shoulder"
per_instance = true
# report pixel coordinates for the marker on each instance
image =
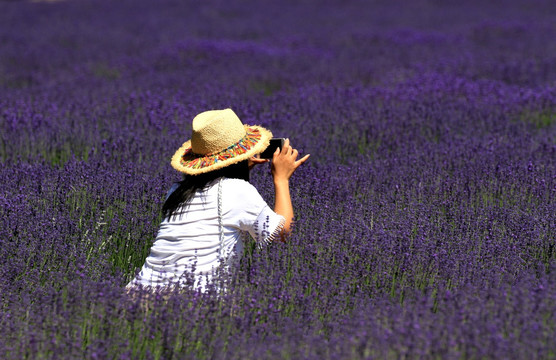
(241, 192)
(242, 200)
(238, 186)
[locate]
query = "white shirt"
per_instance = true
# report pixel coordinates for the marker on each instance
(193, 237)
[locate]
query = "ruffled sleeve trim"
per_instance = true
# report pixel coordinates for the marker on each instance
(275, 234)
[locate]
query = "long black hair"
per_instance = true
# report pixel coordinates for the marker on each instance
(191, 183)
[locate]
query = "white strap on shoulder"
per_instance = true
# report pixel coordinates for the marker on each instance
(220, 226)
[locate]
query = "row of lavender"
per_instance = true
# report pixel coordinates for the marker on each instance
(426, 214)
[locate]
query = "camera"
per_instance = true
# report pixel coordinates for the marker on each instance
(269, 151)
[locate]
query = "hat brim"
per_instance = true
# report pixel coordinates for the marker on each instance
(255, 141)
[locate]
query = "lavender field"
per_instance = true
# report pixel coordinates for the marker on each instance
(425, 217)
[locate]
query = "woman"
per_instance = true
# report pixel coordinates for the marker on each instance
(209, 213)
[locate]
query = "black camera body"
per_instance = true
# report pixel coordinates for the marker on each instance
(269, 151)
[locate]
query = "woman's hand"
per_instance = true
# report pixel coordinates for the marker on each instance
(256, 160)
(284, 162)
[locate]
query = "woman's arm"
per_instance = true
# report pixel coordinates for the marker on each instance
(284, 163)
(283, 203)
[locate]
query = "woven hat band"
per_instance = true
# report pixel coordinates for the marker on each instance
(215, 130)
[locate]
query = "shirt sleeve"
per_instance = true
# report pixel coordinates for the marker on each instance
(247, 210)
(267, 226)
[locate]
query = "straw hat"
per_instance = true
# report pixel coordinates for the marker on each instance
(219, 139)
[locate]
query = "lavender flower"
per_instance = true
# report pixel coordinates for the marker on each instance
(425, 219)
